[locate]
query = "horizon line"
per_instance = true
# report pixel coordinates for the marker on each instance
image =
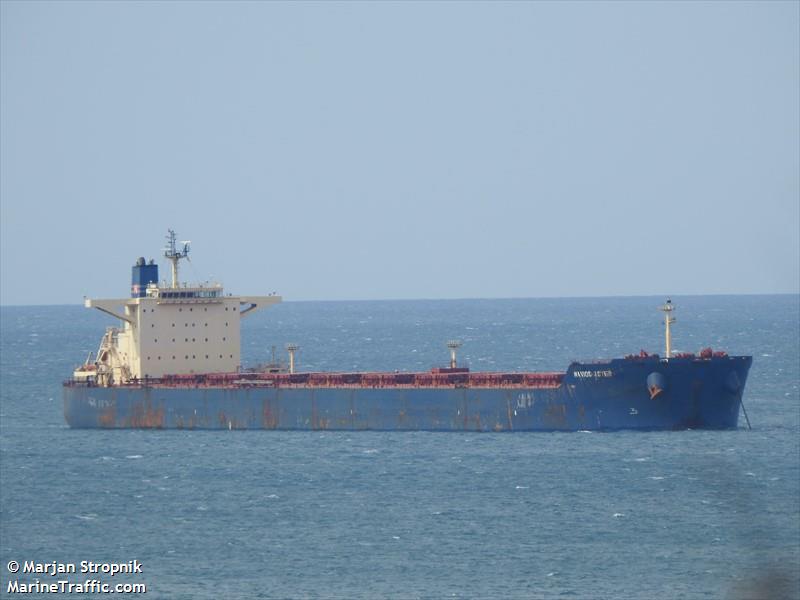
(475, 298)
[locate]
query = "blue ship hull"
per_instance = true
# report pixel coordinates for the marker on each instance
(639, 393)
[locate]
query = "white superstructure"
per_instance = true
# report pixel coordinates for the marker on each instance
(175, 330)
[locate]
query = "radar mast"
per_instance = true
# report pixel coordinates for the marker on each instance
(172, 253)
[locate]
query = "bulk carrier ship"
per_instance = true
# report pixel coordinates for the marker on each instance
(175, 363)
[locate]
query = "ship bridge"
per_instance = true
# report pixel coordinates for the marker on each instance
(202, 294)
(172, 330)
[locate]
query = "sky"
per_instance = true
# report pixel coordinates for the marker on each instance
(342, 151)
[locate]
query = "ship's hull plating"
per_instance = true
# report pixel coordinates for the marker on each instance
(618, 394)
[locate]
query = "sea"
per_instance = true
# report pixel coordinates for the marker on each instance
(282, 514)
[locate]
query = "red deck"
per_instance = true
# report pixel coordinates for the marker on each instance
(437, 378)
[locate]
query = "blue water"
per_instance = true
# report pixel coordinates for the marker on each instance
(689, 514)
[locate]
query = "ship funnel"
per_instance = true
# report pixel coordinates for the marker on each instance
(291, 349)
(142, 274)
(453, 345)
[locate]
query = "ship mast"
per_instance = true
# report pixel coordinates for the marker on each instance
(292, 348)
(174, 255)
(453, 345)
(668, 320)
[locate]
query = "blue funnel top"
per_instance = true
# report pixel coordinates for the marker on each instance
(143, 274)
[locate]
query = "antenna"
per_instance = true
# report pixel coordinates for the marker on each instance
(453, 345)
(291, 348)
(174, 255)
(668, 320)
